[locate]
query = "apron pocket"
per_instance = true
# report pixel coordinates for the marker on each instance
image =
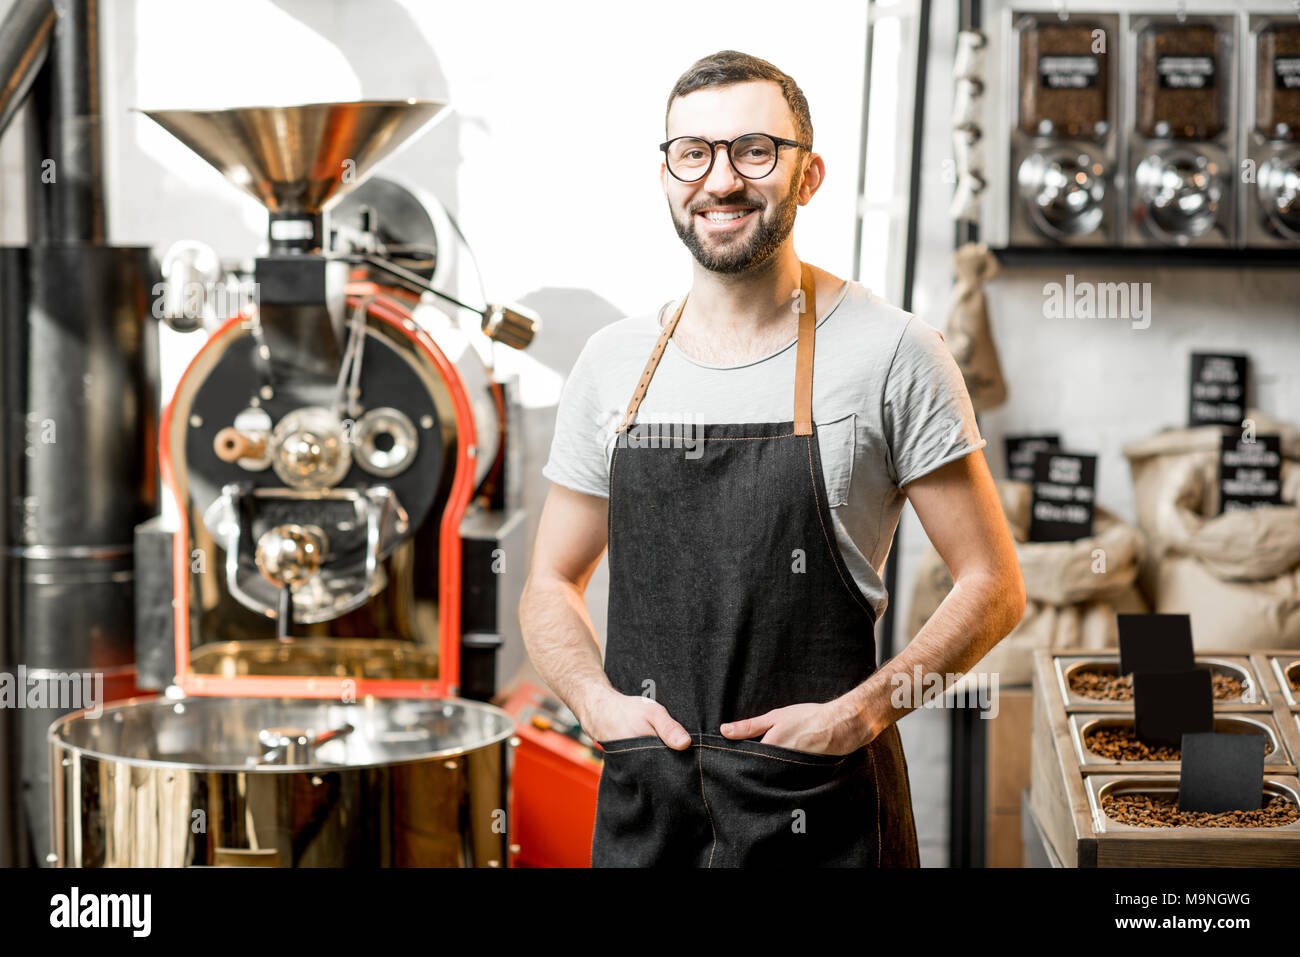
(639, 743)
(774, 806)
(776, 752)
(649, 811)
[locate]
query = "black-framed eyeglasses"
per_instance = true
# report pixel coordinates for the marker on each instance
(753, 156)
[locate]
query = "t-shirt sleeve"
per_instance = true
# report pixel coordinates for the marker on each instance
(577, 456)
(928, 417)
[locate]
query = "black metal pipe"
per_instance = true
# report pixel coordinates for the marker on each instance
(66, 198)
(77, 407)
(24, 41)
(13, 831)
(78, 473)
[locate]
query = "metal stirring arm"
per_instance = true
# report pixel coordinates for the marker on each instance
(295, 746)
(347, 400)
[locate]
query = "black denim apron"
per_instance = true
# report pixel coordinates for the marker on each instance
(728, 598)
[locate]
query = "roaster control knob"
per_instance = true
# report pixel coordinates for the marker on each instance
(290, 554)
(306, 453)
(232, 444)
(513, 326)
(308, 449)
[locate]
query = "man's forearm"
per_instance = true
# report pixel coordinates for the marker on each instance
(561, 642)
(975, 616)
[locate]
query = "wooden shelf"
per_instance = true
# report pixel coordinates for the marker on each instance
(1198, 257)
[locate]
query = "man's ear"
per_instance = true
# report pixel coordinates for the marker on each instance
(814, 174)
(663, 176)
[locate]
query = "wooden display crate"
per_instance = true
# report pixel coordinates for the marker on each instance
(1063, 789)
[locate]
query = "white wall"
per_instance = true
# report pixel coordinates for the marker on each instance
(525, 79)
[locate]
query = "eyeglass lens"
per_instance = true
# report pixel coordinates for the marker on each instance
(753, 156)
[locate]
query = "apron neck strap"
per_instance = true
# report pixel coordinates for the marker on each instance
(803, 363)
(807, 307)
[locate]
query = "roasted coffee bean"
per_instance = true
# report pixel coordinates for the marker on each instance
(1063, 82)
(1293, 676)
(1109, 686)
(1159, 810)
(1277, 94)
(1121, 743)
(1169, 101)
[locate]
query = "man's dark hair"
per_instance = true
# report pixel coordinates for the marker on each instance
(730, 66)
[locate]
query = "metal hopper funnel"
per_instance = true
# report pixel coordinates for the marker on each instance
(296, 159)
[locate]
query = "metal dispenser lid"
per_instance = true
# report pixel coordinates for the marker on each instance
(298, 159)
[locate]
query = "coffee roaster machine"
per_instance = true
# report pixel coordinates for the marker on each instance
(335, 603)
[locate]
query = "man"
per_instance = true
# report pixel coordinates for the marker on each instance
(748, 507)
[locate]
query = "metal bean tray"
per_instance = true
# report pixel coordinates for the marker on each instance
(1100, 786)
(1255, 697)
(1277, 759)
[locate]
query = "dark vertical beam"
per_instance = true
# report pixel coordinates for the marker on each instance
(968, 789)
(968, 772)
(885, 639)
(13, 380)
(918, 137)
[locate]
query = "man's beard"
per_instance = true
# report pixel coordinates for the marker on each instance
(736, 257)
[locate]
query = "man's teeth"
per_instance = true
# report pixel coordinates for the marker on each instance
(714, 216)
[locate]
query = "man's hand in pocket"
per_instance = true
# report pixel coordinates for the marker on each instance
(614, 716)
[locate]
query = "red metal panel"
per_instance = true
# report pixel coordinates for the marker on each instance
(553, 786)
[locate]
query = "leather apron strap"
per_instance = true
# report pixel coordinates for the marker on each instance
(807, 306)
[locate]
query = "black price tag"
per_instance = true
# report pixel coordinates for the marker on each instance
(1020, 453)
(1167, 705)
(1072, 71)
(1218, 390)
(1064, 489)
(1250, 473)
(1222, 772)
(1185, 72)
(1155, 643)
(1286, 73)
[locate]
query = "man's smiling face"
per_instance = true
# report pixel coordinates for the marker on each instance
(729, 223)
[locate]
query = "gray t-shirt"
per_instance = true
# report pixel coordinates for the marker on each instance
(889, 403)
